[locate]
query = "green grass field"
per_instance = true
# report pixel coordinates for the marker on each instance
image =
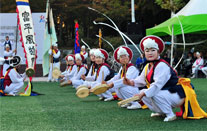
(60, 109)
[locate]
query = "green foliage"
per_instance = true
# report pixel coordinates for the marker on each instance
(7, 6)
(60, 109)
(172, 5)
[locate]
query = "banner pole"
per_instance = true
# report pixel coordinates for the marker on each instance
(16, 37)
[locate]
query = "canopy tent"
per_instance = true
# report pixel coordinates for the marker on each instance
(193, 18)
(190, 19)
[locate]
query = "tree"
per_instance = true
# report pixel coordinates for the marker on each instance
(172, 5)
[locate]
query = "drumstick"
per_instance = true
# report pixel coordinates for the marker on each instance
(123, 102)
(125, 70)
(102, 76)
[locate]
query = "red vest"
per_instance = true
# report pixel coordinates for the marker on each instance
(69, 67)
(79, 67)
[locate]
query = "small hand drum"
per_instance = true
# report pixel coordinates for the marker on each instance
(30, 72)
(56, 73)
(83, 92)
(123, 102)
(100, 89)
(81, 86)
(64, 83)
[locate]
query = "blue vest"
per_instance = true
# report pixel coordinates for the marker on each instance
(171, 84)
(8, 42)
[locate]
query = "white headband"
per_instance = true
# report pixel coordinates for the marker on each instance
(122, 51)
(83, 47)
(55, 44)
(70, 58)
(7, 45)
(149, 43)
(98, 53)
(78, 56)
(197, 53)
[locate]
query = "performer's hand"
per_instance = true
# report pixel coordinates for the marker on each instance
(69, 82)
(61, 76)
(83, 77)
(103, 82)
(128, 82)
(111, 85)
(15, 51)
(140, 95)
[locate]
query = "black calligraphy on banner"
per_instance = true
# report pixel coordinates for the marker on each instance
(32, 59)
(25, 16)
(29, 39)
(27, 27)
(32, 50)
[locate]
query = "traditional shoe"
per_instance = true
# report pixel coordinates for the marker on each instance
(170, 118)
(101, 98)
(134, 106)
(109, 99)
(156, 114)
(125, 105)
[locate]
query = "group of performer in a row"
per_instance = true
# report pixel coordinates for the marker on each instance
(157, 86)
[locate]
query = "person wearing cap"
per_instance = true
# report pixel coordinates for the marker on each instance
(86, 80)
(197, 65)
(91, 73)
(55, 62)
(123, 55)
(103, 72)
(13, 81)
(7, 41)
(83, 52)
(159, 78)
(81, 70)
(93, 68)
(71, 68)
(164, 90)
(7, 54)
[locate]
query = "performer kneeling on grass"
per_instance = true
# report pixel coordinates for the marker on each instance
(93, 68)
(91, 73)
(13, 81)
(55, 61)
(124, 55)
(81, 69)
(71, 69)
(104, 73)
(164, 90)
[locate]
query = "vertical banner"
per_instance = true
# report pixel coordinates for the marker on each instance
(27, 39)
(77, 43)
(50, 37)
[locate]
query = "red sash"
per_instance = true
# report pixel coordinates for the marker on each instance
(79, 67)
(104, 64)
(151, 72)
